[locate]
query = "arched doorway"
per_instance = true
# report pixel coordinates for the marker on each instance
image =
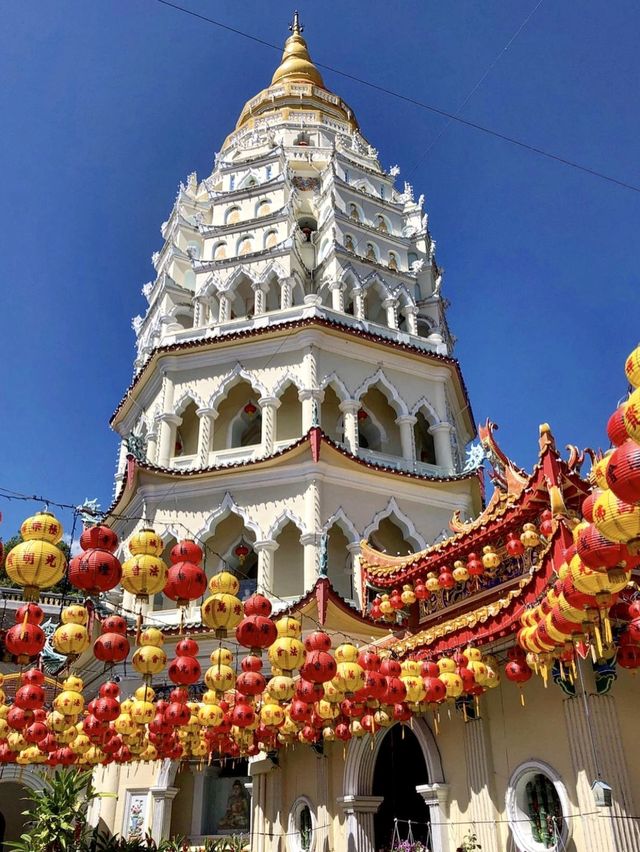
(400, 768)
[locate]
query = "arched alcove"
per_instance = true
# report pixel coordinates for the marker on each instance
(339, 561)
(331, 416)
(389, 537)
(239, 421)
(242, 299)
(187, 431)
(425, 447)
(160, 600)
(228, 538)
(288, 576)
(381, 414)
(289, 417)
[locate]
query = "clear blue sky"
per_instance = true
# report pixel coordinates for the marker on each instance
(106, 105)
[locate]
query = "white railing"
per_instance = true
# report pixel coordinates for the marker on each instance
(400, 463)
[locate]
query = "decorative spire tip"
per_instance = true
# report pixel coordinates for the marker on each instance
(295, 26)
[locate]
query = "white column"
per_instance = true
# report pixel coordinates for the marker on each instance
(611, 828)
(309, 399)
(442, 443)
(323, 813)
(259, 299)
(391, 307)
(436, 797)
(152, 444)
(197, 803)
(406, 422)
(168, 425)
(161, 803)
(310, 543)
(198, 311)
(356, 579)
(225, 308)
(337, 295)
(205, 434)
(269, 406)
(286, 293)
(106, 781)
(479, 778)
(350, 408)
(265, 550)
(122, 461)
(358, 302)
(411, 314)
(359, 812)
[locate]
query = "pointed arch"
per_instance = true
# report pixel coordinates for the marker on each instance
(333, 380)
(237, 375)
(273, 269)
(423, 403)
(395, 513)
(211, 286)
(404, 297)
(289, 378)
(227, 507)
(252, 178)
(341, 519)
(379, 378)
(239, 274)
(185, 398)
(376, 281)
(282, 520)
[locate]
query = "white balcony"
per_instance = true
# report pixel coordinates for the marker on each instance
(400, 463)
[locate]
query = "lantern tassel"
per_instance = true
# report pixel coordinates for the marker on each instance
(522, 697)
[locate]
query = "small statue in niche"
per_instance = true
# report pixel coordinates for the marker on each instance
(393, 263)
(353, 212)
(382, 225)
(348, 243)
(237, 813)
(371, 254)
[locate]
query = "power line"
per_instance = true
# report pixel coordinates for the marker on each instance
(534, 149)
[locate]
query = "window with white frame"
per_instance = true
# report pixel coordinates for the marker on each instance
(302, 826)
(537, 808)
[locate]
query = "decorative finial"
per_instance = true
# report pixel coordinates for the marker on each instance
(296, 27)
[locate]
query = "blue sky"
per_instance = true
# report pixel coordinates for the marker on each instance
(106, 106)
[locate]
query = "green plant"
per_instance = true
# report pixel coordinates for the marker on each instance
(58, 814)
(469, 843)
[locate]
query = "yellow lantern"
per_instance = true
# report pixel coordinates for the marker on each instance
(349, 673)
(36, 563)
(530, 537)
(408, 596)
(222, 611)
(143, 709)
(476, 664)
(490, 558)
(272, 715)
(615, 519)
(16, 741)
(146, 542)
(144, 575)
(631, 416)
(220, 676)
(328, 734)
(94, 756)
(450, 678)
(81, 744)
(493, 671)
(432, 583)
(281, 687)
(333, 692)
(149, 658)
(326, 710)
(632, 367)
(287, 653)
(70, 701)
(599, 471)
(460, 573)
(224, 583)
(382, 719)
(385, 605)
(415, 688)
(592, 582)
(72, 637)
(210, 715)
(356, 729)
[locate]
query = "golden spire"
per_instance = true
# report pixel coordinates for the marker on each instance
(296, 65)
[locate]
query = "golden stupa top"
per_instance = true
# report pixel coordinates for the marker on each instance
(296, 64)
(296, 86)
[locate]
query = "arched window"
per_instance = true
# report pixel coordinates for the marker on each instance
(271, 240)
(220, 251)
(264, 208)
(339, 562)
(187, 432)
(233, 215)
(393, 262)
(412, 258)
(234, 542)
(379, 427)
(245, 246)
(331, 416)
(390, 538)
(289, 417)
(239, 422)
(301, 833)
(425, 447)
(160, 600)
(288, 559)
(537, 808)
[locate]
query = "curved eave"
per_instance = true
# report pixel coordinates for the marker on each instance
(493, 618)
(384, 571)
(284, 328)
(311, 443)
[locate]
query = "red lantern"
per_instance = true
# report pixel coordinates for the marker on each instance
(30, 697)
(474, 565)
(186, 550)
(616, 429)
(375, 612)
(95, 571)
(100, 536)
(308, 691)
(243, 715)
(36, 732)
(587, 504)
(241, 551)
(446, 579)
(318, 667)
(515, 548)
(256, 632)
(628, 657)
(300, 711)
(186, 582)
(369, 660)
(517, 671)
(598, 552)
(112, 646)
(257, 605)
(185, 669)
(390, 667)
(362, 415)
(396, 691)
(250, 409)
(420, 590)
(401, 713)
(546, 523)
(623, 472)
(436, 690)
(395, 599)
(318, 641)
(375, 686)
(26, 638)
(342, 731)
(251, 663)
(251, 683)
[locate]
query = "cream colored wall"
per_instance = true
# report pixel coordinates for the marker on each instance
(625, 693)
(181, 811)
(133, 776)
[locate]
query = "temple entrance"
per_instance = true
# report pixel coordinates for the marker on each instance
(400, 768)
